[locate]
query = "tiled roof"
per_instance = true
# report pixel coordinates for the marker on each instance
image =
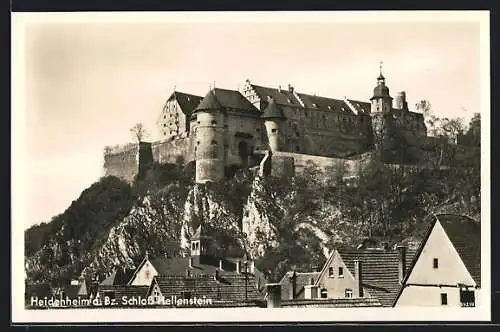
(273, 111)
(226, 99)
(325, 104)
(282, 97)
(123, 290)
(119, 276)
(187, 102)
(303, 279)
(380, 273)
(333, 303)
(177, 266)
(465, 235)
(227, 288)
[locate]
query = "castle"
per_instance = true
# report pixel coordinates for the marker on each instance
(229, 129)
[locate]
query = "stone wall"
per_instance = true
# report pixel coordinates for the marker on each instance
(175, 150)
(350, 166)
(122, 161)
(326, 133)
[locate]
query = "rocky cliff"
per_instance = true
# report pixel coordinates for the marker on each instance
(282, 222)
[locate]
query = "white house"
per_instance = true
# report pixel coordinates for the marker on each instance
(447, 268)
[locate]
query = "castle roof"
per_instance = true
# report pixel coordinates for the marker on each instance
(227, 100)
(280, 96)
(186, 101)
(273, 111)
(209, 102)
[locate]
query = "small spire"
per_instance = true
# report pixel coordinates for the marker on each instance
(147, 254)
(381, 77)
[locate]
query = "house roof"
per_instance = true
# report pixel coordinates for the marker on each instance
(187, 102)
(123, 290)
(303, 279)
(281, 96)
(120, 276)
(273, 111)
(465, 235)
(228, 287)
(177, 266)
(333, 303)
(227, 100)
(380, 270)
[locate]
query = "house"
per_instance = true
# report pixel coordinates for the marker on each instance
(205, 290)
(367, 275)
(78, 288)
(447, 267)
(202, 260)
(292, 284)
(204, 272)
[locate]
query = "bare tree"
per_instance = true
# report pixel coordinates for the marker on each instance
(138, 131)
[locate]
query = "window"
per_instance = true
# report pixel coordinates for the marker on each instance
(348, 293)
(164, 125)
(341, 272)
(274, 130)
(444, 299)
(330, 271)
(214, 122)
(198, 143)
(435, 263)
(214, 142)
(467, 298)
(324, 293)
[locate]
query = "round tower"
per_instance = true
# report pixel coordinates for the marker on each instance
(273, 121)
(381, 107)
(209, 139)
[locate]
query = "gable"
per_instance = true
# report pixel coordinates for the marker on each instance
(335, 261)
(144, 274)
(451, 269)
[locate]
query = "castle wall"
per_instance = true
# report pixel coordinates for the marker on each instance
(326, 133)
(351, 167)
(122, 161)
(242, 133)
(179, 149)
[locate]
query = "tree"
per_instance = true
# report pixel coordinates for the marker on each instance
(138, 131)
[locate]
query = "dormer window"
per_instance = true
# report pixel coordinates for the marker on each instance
(330, 107)
(315, 105)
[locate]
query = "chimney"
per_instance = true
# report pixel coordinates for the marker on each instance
(290, 88)
(273, 295)
(190, 262)
(401, 262)
(220, 265)
(188, 273)
(358, 278)
(279, 88)
(216, 275)
(293, 286)
(238, 266)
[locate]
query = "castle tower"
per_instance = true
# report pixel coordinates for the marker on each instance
(273, 120)
(400, 102)
(209, 144)
(381, 100)
(381, 107)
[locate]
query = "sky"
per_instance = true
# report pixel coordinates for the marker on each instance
(86, 83)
